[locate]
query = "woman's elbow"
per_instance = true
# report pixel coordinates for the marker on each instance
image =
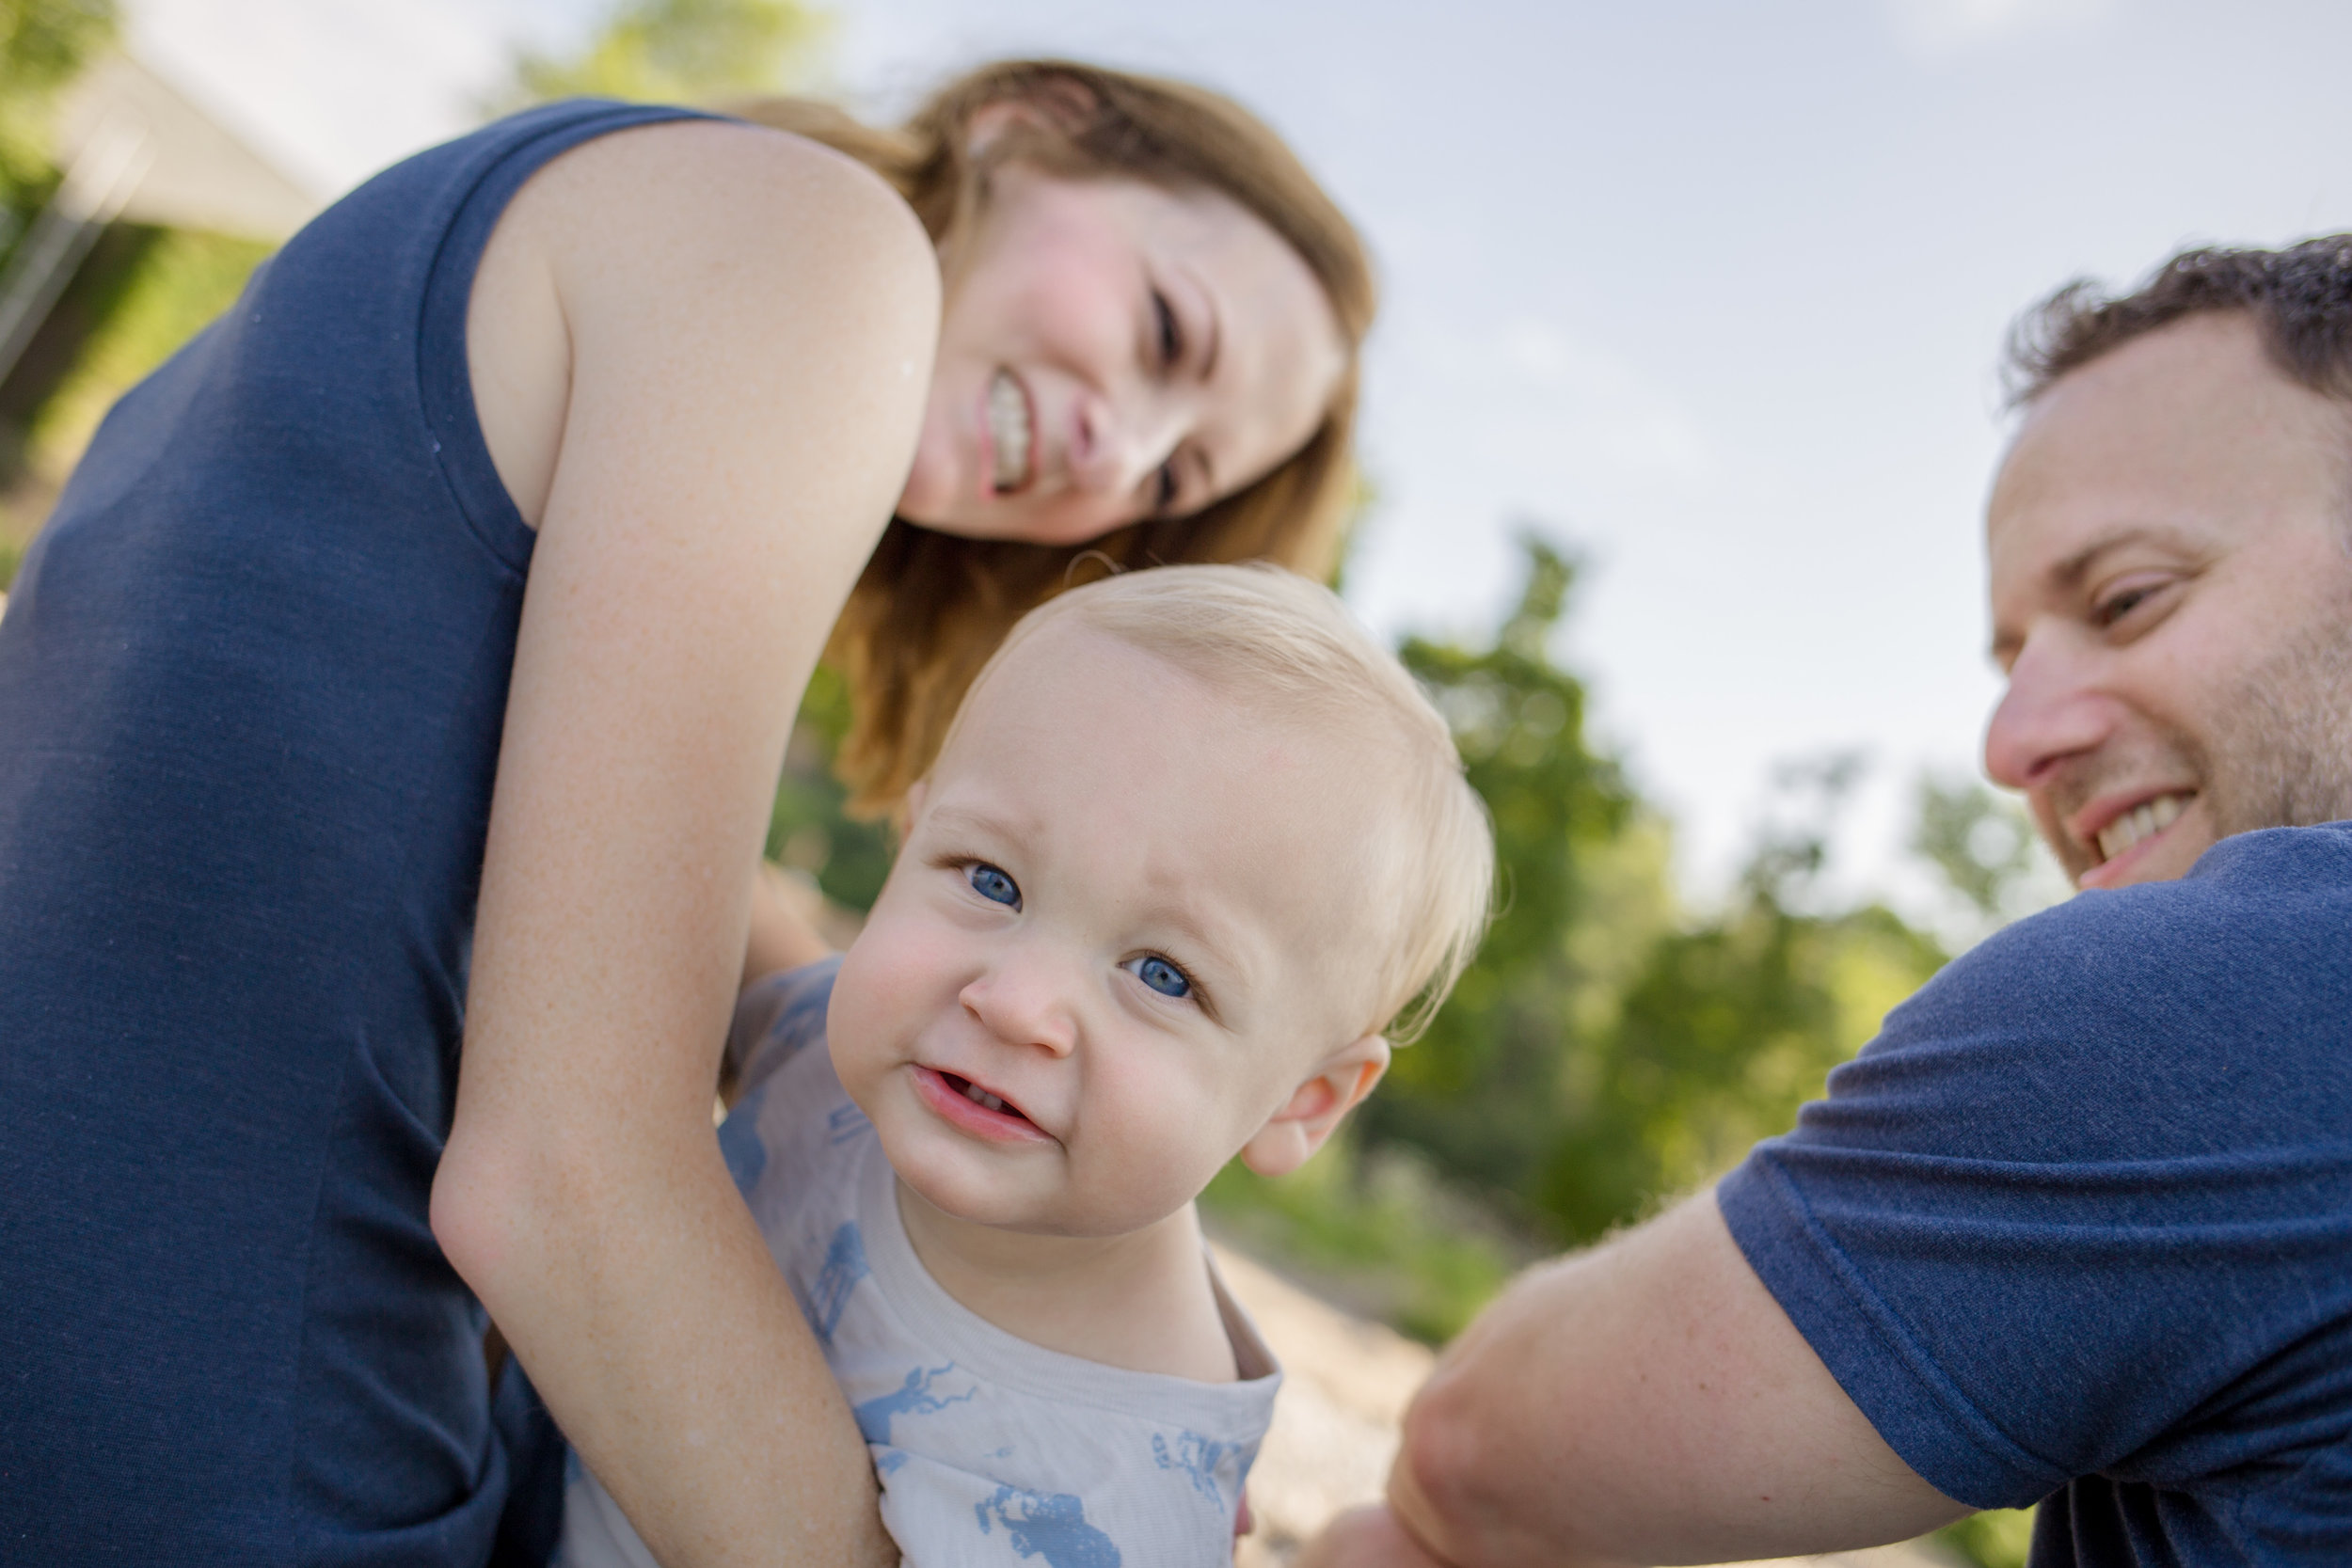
(485, 1209)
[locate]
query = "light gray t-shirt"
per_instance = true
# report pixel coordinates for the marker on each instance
(990, 1450)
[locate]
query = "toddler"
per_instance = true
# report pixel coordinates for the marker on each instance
(1193, 849)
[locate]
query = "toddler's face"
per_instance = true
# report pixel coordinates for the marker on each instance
(1124, 928)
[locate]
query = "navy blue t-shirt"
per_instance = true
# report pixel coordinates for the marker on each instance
(2079, 1221)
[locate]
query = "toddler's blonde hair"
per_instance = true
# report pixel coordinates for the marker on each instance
(1283, 645)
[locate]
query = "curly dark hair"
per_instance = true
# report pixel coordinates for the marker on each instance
(2300, 299)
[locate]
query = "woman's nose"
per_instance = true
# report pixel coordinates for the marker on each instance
(1023, 1000)
(2052, 710)
(1117, 439)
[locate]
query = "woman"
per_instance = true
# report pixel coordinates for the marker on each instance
(301, 786)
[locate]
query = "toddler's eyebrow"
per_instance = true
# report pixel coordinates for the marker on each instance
(958, 818)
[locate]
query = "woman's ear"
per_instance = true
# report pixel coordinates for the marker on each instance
(1059, 105)
(1314, 1108)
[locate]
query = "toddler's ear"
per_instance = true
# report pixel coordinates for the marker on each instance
(1315, 1107)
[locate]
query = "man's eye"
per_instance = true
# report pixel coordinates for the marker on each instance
(2117, 605)
(1172, 332)
(993, 885)
(1160, 975)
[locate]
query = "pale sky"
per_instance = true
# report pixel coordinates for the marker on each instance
(1713, 291)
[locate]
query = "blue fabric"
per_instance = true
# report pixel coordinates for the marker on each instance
(251, 685)
(2080, 1220)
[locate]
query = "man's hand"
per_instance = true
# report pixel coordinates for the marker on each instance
(1368, 1537)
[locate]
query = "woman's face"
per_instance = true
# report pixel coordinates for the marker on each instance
(1111, 351)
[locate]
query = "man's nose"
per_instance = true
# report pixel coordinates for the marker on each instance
(2052, 710)
(1024, 998)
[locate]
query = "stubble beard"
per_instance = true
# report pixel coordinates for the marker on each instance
(2282, 749)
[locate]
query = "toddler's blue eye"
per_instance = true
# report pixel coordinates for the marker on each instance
(994, 885)
(1161, 976)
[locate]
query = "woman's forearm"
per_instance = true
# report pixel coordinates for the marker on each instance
(641, 1301)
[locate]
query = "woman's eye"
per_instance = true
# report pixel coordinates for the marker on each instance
(993, 884)
(1171, 333)
(1160, 975)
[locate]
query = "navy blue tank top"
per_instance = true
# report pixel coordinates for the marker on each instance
(252, 679)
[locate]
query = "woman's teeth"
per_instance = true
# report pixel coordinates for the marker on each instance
(2141, 821)
(1008, 428)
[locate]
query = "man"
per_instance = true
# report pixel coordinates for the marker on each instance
(2077, 1228)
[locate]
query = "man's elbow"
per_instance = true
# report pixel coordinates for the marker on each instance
(1438, 1488)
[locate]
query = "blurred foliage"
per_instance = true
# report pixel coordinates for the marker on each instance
(12, 555)
(43, 45)
(1730, 1024)
(1481, 1092)
(2000, 1539)
(1379, 1233)
(178, 284)
(1600, 1057)
(1985, 846)
(808, 830)
(681, 51)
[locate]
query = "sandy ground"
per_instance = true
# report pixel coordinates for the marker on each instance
(1346, 1385)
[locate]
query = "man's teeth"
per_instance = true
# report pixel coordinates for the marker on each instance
(1009, 427)
(980, 1096)
(2140, 822)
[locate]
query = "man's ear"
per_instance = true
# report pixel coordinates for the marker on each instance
(1315, 1107)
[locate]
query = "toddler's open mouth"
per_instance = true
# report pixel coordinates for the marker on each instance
(970, 1108)
(979, 1096)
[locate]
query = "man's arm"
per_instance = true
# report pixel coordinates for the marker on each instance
(1647, 1402)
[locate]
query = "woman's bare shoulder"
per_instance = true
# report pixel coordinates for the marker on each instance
(680, 190)
(687, 251)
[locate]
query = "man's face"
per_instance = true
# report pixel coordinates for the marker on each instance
(2172, 601)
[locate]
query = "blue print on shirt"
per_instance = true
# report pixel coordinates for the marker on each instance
(845, 1265)
(739, 1142)
(1196, 1458)
(913, 1398)
(1049, 1525)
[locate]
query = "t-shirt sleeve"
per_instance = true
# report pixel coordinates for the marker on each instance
(2089, 1189)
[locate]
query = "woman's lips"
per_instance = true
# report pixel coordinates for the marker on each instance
(949, 1099)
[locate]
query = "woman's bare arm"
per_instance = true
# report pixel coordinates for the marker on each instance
(1647, 1401)
(749, 323)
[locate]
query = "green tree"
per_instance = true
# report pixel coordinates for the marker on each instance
(43, 45)
(681, 51)
(1986, 850)
(1732, 1024)
(1481, 1093)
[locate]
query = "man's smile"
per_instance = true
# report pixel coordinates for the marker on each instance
(2120, 829)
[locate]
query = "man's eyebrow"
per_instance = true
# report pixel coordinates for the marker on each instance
(2066, 576)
